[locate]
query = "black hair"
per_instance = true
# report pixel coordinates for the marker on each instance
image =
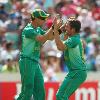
(75, 24)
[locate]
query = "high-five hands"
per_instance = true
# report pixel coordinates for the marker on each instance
(59, 26)
(57, 23)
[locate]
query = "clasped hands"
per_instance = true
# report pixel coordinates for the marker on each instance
(58, 25)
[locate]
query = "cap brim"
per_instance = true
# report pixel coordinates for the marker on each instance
(47, 15)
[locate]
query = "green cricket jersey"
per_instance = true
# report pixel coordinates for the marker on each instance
(30, 46)
(74, 54)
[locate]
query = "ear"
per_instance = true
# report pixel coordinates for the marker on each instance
(73, 30)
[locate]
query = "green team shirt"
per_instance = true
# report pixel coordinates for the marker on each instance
(30, 46)
(74, 53)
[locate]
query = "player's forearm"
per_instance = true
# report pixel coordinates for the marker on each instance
(49, 34)
(58, 41)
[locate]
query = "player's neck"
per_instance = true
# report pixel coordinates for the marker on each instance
(34, 24)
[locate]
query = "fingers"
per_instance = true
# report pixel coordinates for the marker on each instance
(60, 23)
(57, 23)
(63, 27)
(55, 20)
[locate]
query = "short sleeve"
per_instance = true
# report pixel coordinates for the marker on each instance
(30, 33)
(71, 42)
(42, 32)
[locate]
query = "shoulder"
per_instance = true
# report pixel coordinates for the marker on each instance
(72, 41)
(39, 28)
(28, 28)
(77, 37)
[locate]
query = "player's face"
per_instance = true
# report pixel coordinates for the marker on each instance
(40, 22)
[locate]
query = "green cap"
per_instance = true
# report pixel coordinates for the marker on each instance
(38, 13)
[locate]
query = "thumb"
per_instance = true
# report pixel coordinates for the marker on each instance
(55, 20)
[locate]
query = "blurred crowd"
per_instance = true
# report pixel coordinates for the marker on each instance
(15, 14)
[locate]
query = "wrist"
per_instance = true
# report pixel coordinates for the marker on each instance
(56, 33)
(60, 31)
(52, 27)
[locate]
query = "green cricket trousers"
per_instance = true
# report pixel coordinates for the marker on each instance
(71, 82)
(31, 79)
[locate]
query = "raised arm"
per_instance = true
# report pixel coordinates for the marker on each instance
(49, 35)
(59, 43)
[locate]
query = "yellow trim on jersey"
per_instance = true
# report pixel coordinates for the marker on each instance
(32, 15)
(82, 51)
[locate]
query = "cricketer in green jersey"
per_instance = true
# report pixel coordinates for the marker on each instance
(33, 36)
(73, 54)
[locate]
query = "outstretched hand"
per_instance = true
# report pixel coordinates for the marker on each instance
(57, 23)
(62, 28)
